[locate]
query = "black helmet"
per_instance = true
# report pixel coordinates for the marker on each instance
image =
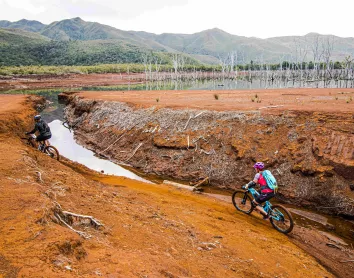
(37, 117)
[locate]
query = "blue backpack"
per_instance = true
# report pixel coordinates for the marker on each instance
(271, 181)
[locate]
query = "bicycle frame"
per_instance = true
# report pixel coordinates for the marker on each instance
(276, 215)
(41, 144)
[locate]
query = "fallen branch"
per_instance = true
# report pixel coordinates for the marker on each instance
(83, 234)
(66, 218)
(94, 222)
(66, 125)
(198, 114)
(190, 118)
(136, 149)
(333, 246)
(208, 153)
(348, 261)
(205, 180)
(167, 156)
(200, 137)
(272, 106)
(114, 142)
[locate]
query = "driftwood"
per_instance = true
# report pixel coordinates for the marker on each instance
(334, 246)
(271, 106)
(190, 118)
(197, 139)
(65, 218)
(348, 261)
(201, 182)
(83, 234)
(179, 185)
(66, 125)
(94, 222)
(208, 153)
(136, 149)
(114, 142)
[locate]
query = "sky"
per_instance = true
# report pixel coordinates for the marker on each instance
(250, 18)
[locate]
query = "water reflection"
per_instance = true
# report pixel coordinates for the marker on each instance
(64, 141)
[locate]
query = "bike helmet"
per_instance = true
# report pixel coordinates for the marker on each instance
(37, 117)
(259, 165)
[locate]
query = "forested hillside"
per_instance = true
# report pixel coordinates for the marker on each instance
(77, 42)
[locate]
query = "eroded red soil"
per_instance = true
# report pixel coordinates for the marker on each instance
(150, 230)
(321, 100)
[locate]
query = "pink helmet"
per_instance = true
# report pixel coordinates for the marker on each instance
(259, 165)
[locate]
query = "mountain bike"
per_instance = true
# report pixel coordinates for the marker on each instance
(47, 149)
(280, 217)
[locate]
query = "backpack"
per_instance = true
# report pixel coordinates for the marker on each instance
(271, 181)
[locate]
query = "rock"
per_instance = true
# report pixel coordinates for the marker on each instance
(68, 267)
(207, 246)
(351, 187)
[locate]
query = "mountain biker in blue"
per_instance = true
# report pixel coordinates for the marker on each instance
(266, 193)
(43, 129)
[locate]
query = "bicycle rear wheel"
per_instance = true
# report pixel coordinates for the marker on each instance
(52, 152)
(281, 219)
(242, 201)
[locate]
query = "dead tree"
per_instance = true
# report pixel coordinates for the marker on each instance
(328, 46)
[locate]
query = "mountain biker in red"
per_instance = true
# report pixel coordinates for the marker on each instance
(266, 193)
(43, 129)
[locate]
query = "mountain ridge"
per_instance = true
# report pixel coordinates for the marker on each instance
(208, 46)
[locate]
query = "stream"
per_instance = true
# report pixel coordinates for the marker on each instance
(63, 140)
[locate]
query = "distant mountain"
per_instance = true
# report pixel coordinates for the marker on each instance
(207, 46)
(19, 47)
(78, 29)
(24, 24)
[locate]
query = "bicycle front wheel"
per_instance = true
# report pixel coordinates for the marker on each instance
(52, 152)
(281, 219)
(242, 201)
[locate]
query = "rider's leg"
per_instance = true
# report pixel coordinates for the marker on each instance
(259, 208)
(261, 199)
(43, 139)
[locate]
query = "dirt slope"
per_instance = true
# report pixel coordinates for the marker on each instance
(308, 145)
(150, 230)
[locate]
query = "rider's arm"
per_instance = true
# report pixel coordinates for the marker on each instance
(34, 130)
(254, 182)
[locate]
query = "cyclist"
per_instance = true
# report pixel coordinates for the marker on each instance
(43, 129)
(265, 194)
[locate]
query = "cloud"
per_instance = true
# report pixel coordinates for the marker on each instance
(50, 10)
